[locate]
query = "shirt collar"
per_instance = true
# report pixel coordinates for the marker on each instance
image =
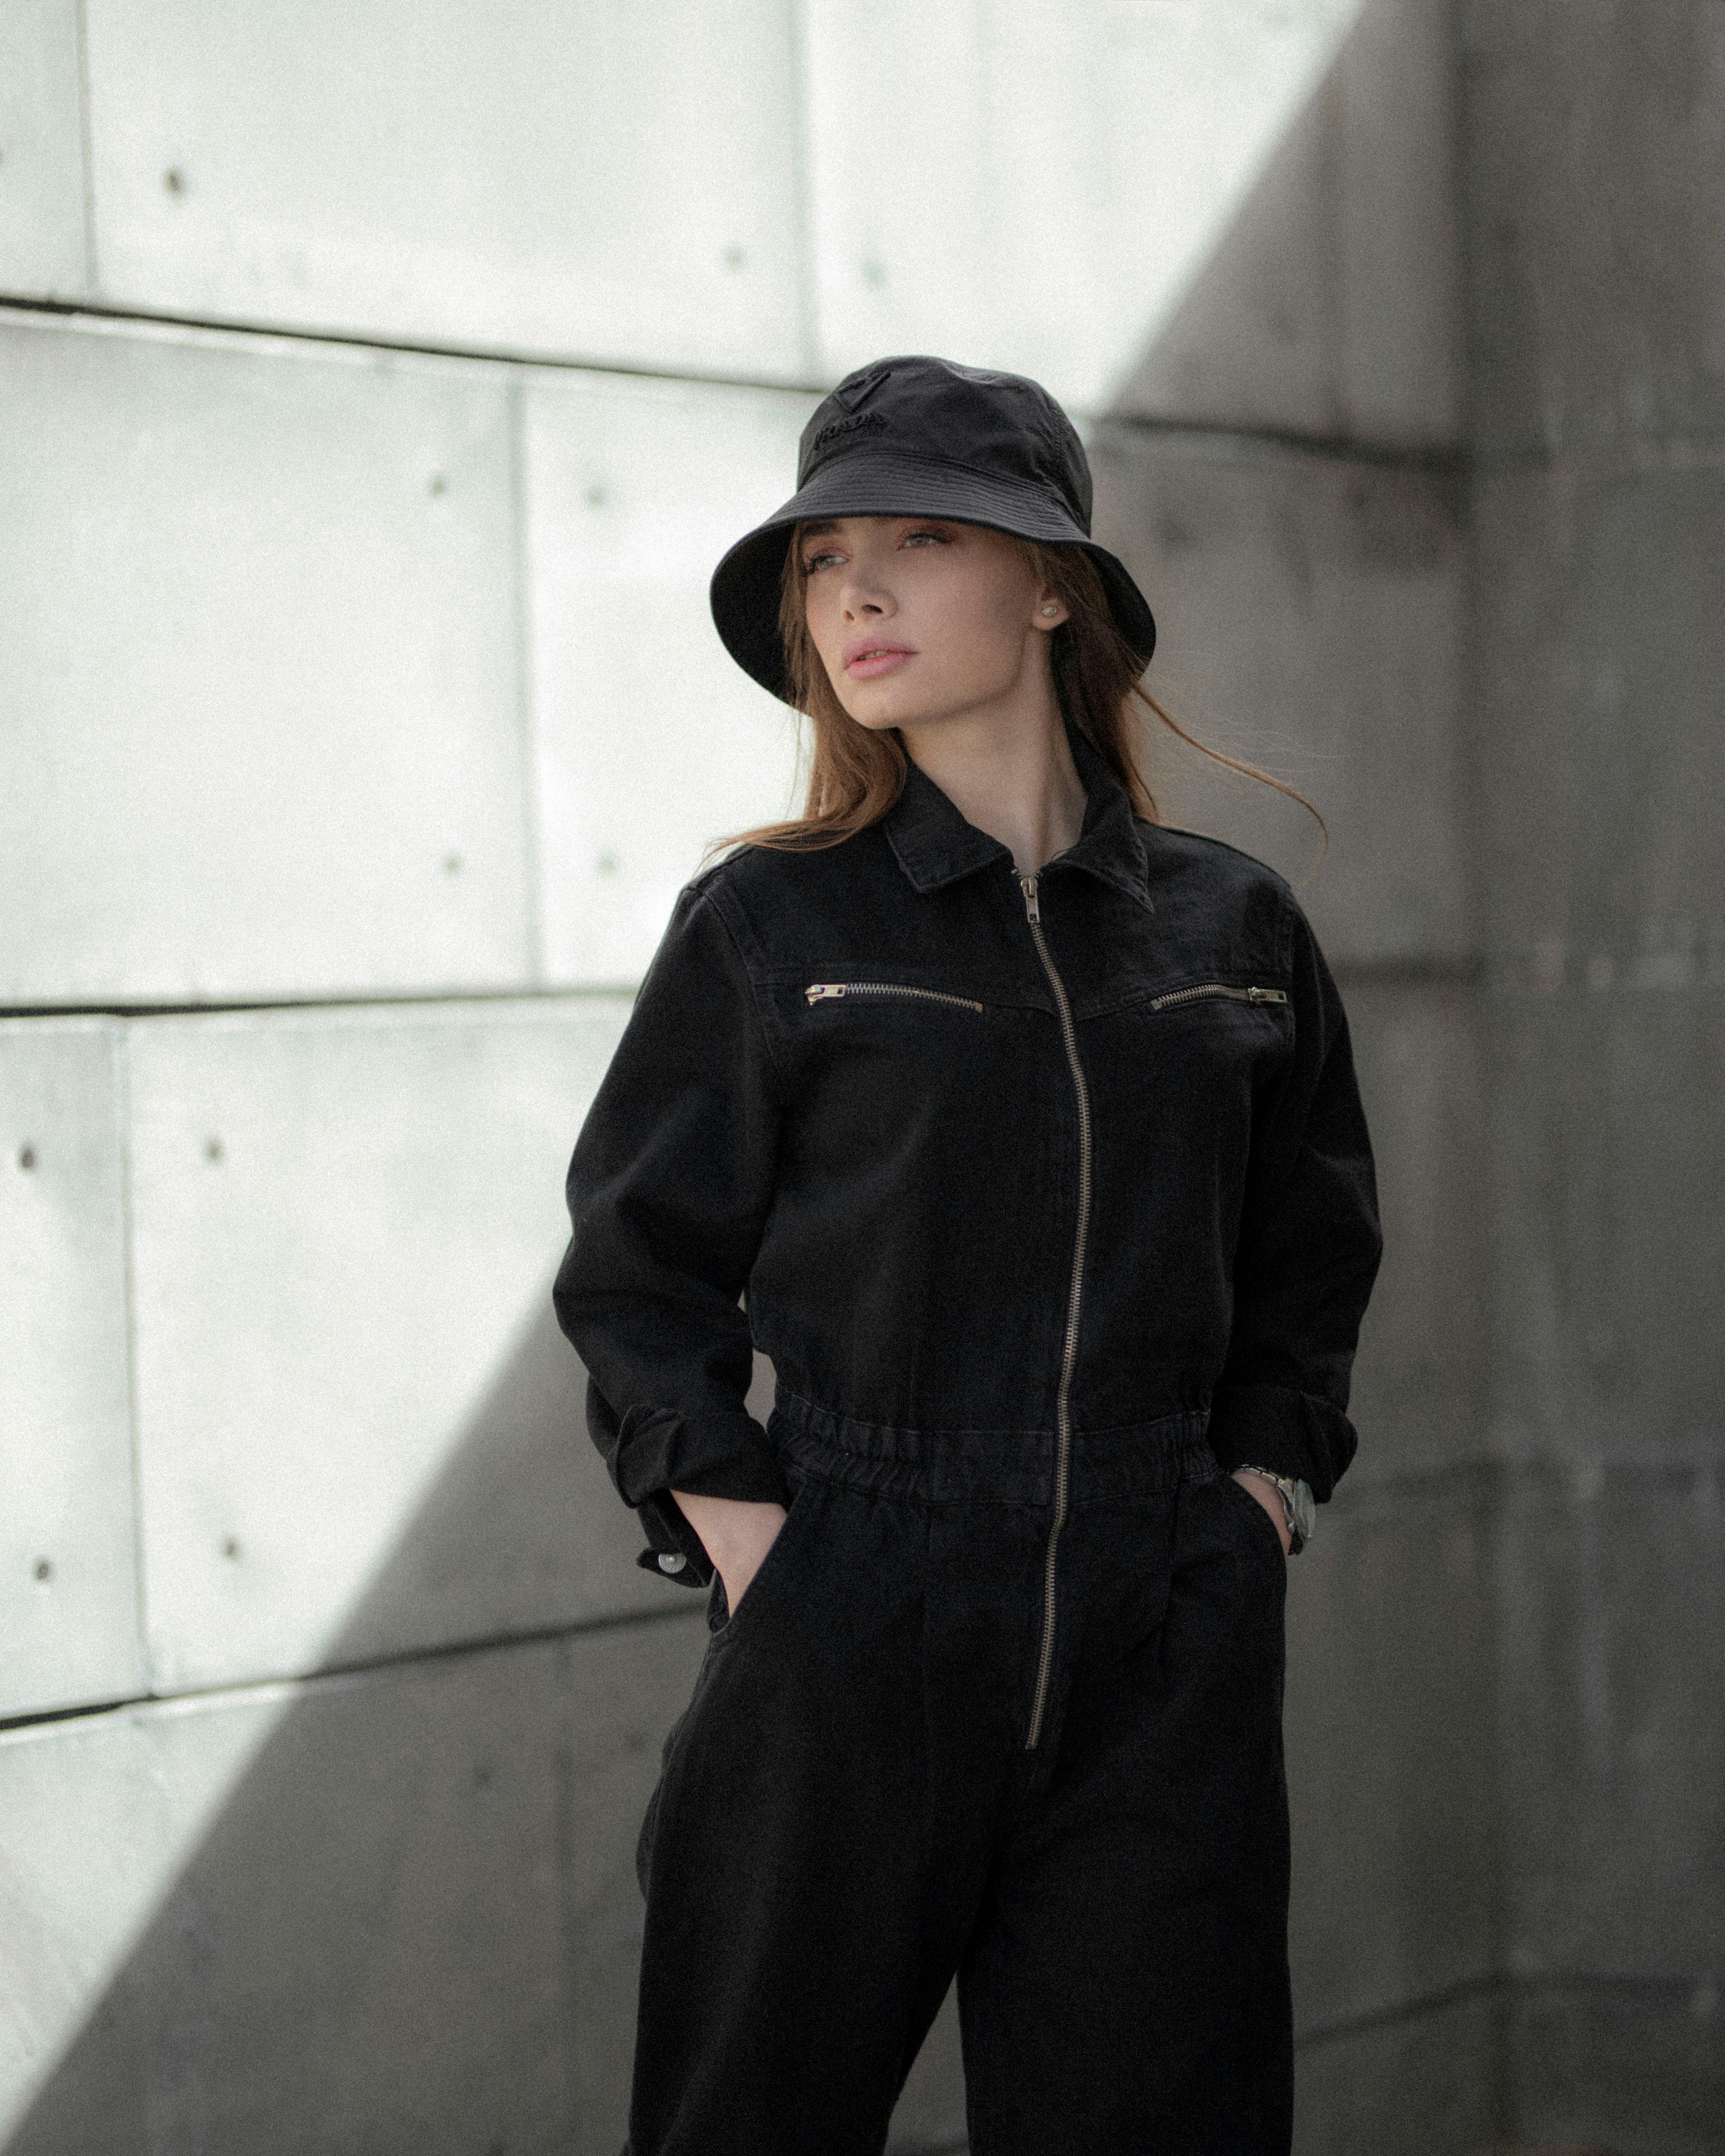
(934, 846)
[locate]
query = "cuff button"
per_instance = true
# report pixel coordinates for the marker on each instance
(672, 1561)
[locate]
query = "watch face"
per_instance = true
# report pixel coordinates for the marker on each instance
(1305, 1510)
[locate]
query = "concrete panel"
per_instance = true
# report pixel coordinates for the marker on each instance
(1400, 363)
(1612, 1581)
(1602, 628)
(650, 740)
(260, 707)
(1422, 2086)
(359, 1430)
(1041, 189)
(1597, 232)
(1390, 1742)
(351, 1915)
(565, 176)
(1310, 611)
(1609, 1225)
(69, 1607)
(1638, 2070)
(1417, 1380)
(1331, 302)
(42, 231)
(1419, 1372)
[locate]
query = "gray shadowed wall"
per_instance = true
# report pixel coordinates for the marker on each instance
(379, 394)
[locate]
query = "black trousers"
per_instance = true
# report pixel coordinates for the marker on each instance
(848, 1812)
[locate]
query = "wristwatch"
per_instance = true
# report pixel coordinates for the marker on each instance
(1295, 1502)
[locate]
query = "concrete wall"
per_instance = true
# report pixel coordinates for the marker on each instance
(382, 384)
(1596, 221)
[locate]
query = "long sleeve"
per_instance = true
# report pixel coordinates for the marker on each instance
(1307, 1251)
(668, 1191)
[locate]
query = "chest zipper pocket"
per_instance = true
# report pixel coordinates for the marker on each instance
(832, 992)
(1219, 988)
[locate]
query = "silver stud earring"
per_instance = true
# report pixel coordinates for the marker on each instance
(1051, 609)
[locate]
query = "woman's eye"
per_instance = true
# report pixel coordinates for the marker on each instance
(818, 562)
(934, 538)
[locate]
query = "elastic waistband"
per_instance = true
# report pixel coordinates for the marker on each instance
(991, 1466)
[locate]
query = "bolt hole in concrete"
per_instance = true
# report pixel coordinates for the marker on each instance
(734, 258)
(174, 180)
(26, 1157)
(230, 1548)
(212, 1149)
(437, 484)
(595, 496)
(607, 863)
(44, 1570)
(452, 863)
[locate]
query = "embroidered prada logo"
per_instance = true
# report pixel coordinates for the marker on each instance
(860, 423)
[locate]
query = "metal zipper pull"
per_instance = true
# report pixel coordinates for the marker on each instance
(822, 992)
(1032, 910)
(1267, 995)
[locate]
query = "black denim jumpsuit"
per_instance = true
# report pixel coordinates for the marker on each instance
(1050, 1199)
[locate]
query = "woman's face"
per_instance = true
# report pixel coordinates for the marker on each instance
(918, 620)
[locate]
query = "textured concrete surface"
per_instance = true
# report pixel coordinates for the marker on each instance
(1595, 191)
(1419, 1377)
(559, 176)
(261, 709)
(344, 1227)
(43, 250)
(68, 1590)
(1596, 207)
(1310, 618)
(1422, 2085)
(399, 1896)
(650, 740)
(1039, 188)
(1329, 307)
(1613, 1589)
(1391, 1771)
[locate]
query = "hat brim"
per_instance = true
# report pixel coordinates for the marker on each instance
(745, 589)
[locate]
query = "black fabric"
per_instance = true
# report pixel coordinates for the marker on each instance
(848, 1814)
(893, 1181)
(915, 436)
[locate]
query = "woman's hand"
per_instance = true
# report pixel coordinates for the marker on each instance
(1267, 1494)
(736, 1533)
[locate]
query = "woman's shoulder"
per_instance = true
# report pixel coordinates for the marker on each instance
(762, 891)
(1173, 851)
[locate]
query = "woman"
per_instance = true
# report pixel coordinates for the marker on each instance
(1027, 1127)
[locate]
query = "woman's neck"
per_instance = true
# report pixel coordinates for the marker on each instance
(1010, 773)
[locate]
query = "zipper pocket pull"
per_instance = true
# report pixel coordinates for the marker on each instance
(1266, 996)
(1032, 910)
(824, 992)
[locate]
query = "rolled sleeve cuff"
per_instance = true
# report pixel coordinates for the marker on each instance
(1289, 1432)
(719, 1455)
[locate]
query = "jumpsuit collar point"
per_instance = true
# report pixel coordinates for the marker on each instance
(934, 846)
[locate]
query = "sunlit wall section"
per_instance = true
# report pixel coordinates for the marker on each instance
(1230, 211)
(604, 182)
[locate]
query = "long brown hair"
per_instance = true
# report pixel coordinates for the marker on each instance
(856, 774)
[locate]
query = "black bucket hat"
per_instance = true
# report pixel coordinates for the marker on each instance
(921, 437)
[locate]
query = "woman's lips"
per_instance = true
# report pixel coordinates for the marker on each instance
(872, 659)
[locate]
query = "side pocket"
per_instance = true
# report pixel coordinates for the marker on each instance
(772, 1568)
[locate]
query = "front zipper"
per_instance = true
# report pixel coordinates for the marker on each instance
(827, 992)
(1063, 1406)
(1220, 989)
